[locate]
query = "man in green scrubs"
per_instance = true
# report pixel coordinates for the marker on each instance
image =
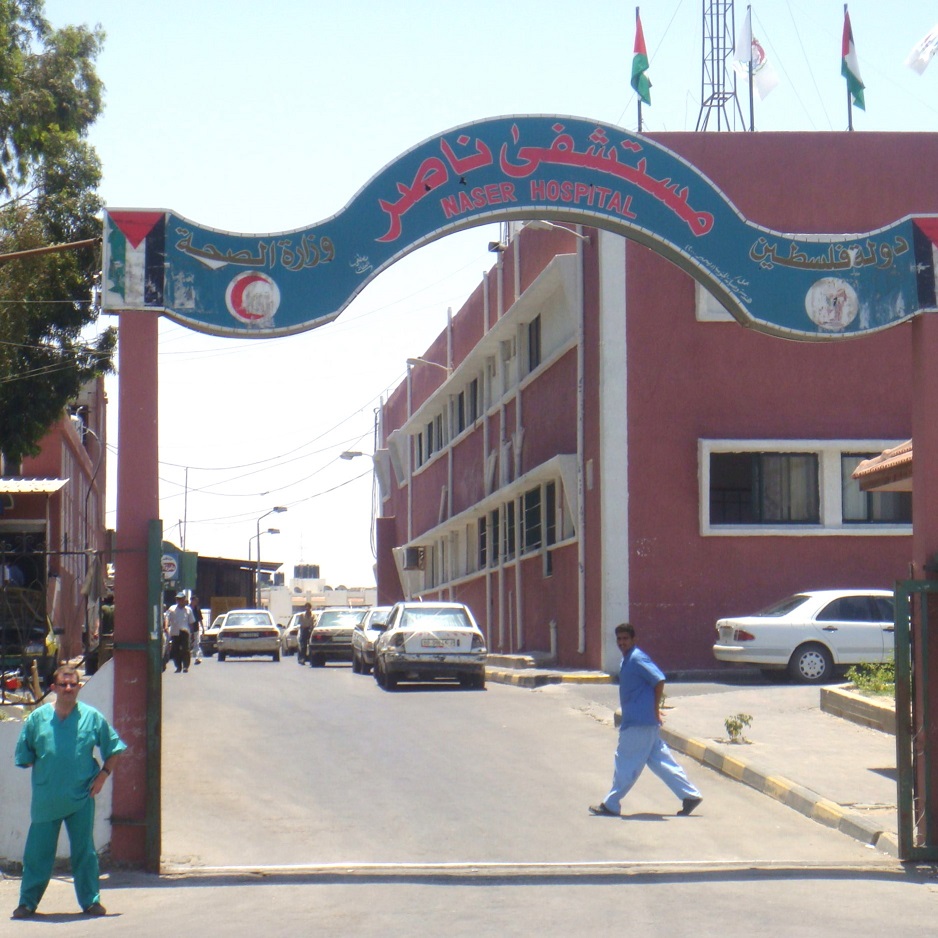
(58, 742)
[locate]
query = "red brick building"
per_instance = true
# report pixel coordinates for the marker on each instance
(594, 440)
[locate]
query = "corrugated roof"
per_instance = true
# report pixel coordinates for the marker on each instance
(12, 486)
(890, 471)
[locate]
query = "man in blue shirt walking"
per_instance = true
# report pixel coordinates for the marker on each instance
(641, 688)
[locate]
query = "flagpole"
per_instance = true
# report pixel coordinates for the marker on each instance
(637, 21)
(752, 111)
(849, 101)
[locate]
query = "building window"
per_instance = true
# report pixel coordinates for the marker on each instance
(534, 343)
(764, 488)
(493, 538)
(429, 439)
(510, 530)
(439, 436)
(461, 412)
(870, 507)
(483, 544)
(532, 520)
(418, 449)
(473, 401)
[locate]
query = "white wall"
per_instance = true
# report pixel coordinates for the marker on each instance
(15, 783)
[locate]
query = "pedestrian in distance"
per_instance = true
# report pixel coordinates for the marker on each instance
(196, 629)
(641, 690)
(180, 620)
(57, 742)
(306, 628)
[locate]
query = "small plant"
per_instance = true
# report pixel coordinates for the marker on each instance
(874, 678)
(735, 726)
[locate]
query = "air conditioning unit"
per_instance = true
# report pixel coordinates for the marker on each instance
(413, 558)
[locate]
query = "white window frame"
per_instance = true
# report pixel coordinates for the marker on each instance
(829, 453)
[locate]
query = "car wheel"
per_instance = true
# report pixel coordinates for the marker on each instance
(356, 664)
(221, 656)
(390, 681)
(276, 656)
(379, 674)
(366, 668)
(811, 664)
(317, 661)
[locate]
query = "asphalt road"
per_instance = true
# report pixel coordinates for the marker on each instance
(268, 765)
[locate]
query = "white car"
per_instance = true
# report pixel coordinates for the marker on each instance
(210, 635)
(426, 641)
(248, 633)
(812, 633)
(364, 637)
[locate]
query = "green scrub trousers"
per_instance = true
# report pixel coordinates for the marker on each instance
(39, 857)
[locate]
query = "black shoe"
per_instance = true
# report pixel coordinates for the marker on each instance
(23, 911)
(601, 810)
(688, 805)
(96, 909)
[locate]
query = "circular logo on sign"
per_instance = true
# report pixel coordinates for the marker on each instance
(252, 298)
(169, 566)
(831, 303)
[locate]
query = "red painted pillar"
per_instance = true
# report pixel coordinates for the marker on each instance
(137, 505)
(924, 549)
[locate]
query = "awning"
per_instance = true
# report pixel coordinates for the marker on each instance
(890, 471)
(14, 486)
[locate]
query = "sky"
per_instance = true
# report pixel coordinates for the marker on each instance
(251, 117)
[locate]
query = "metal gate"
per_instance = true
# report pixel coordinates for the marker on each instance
(916, 605)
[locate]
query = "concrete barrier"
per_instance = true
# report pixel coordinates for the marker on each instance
(843, 701)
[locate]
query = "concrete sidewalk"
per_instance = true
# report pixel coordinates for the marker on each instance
(832, 770)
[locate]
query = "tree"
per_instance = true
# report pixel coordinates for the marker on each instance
(50, 95)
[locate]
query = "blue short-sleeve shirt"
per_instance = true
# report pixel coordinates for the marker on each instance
(638, 677)
(61, 753)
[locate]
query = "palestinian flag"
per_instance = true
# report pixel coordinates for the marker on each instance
(135, 262)
(849, 67)
(640, 81)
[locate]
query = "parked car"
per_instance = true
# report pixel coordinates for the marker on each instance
(364, 637)
(331, 638)
(248, 633)
(290, 639)
(812, 633)
(210, 635)
(427, 641)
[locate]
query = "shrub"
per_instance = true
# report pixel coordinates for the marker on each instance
(874, 678)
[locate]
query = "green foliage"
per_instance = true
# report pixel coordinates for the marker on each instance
(874, 678)
(735, 726)
(50, 95)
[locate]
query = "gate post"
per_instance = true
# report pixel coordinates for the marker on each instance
(925, 567)
(135, 829)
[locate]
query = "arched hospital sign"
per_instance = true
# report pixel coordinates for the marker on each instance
(807, 286)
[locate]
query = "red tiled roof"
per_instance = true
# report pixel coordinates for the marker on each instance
(890, 471)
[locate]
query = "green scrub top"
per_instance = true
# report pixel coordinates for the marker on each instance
(61, 753)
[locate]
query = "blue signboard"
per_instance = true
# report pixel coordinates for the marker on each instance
(810, 286)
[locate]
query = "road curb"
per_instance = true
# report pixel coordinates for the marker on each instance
(795, 796)
(533, 677)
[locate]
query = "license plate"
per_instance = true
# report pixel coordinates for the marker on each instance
(246, 635)
(438, 643)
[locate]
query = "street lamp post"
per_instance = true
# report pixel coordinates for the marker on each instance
(278, 509)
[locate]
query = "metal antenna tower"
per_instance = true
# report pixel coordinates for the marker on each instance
(718, 80)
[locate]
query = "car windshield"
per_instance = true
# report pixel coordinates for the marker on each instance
(785, 606)
(378, 617)
(253, 618)
(339, 619)
(431, 618)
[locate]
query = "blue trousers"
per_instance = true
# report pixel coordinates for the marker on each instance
(39, 857)
(640, 746)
